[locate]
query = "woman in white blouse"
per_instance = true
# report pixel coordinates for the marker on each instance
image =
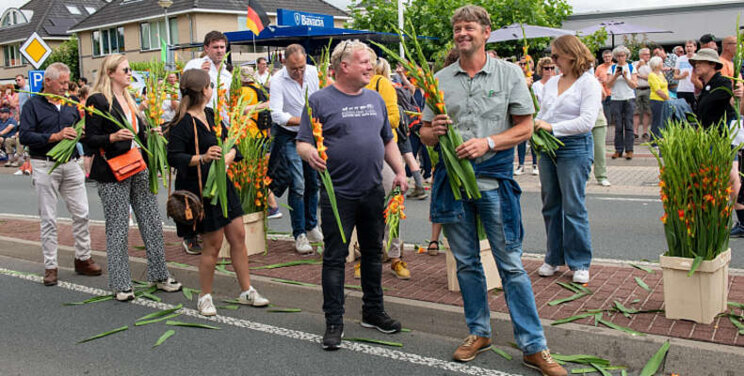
(569, 107)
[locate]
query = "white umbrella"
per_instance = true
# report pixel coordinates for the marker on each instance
(621, 28)
(514, 32)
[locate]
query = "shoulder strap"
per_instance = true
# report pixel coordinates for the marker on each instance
(198, 166)
(377, 85)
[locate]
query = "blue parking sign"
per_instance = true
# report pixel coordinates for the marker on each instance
(36, 80)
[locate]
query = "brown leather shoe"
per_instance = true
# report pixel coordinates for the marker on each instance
(50, 277)
(629, 155)
(471, 347)
(87, 267)
(543, 362)
(617, 155)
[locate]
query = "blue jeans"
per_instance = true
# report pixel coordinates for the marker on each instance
(656, 120)
(563, 188)
(506, 246)
(363, 213)
(303, 190)
(416, 147)
(522, 153)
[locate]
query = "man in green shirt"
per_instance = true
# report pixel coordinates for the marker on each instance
(489, 104)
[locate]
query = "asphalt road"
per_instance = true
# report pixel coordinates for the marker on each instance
(623, 227)
(40, 337)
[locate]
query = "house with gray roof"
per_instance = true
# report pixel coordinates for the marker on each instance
(137, 27)
(51, 19)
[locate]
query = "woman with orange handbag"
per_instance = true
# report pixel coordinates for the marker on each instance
(123, 180)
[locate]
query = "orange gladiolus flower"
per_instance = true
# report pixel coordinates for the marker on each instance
(664, 218)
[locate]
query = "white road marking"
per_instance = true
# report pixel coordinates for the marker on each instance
(626, 199)
(284, 332)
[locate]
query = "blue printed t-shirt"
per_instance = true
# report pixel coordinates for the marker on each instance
(5, 124)
(355, 129)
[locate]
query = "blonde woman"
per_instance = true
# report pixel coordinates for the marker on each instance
(106, 140)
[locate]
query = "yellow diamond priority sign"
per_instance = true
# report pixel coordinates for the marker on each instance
(35, 50)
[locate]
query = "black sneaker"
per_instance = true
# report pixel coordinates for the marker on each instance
(332, 337)
(737, 231)
(191, 246)
(380, 321)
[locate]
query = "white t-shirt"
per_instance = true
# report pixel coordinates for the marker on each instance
(537, 88)
(264, 78)
(683, 65)
(620, 90)
(225, 76)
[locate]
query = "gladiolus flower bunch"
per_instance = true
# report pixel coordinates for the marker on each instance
(459, 171)
(694, 167)
(323, 66)
(394, 214)
(157, 163)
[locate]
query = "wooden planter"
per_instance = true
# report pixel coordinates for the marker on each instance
(255, 236)
(493, 280)
(700, 297)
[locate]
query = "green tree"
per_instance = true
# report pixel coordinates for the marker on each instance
(66, 53)
(432, 18)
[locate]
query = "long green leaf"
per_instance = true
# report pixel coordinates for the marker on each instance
(178, 264)
(151, 297)
(290, 282)
(188, 293)
(572, 318)
(736, 305)
(601, 369)
(375, 341)
(642, 284)
(582, 359)
(96, 299)
(569, 299)
(284, 310)
(645, 269)
(288, 264)
(232, 307)
(160, 313)
(620, 328)
(735, 320)
(503, 353)
(655, 362)
(223, 269)
(159, 319)
(97, 336)
(164, 337)
(190, 324)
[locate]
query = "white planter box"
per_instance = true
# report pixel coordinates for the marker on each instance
(255, 236)
(493, 280)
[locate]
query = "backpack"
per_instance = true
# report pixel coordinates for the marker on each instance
(264, 117)
(405, 103)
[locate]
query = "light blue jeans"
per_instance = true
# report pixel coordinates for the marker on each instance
(303, 192)
(563, 188)
(506, 246)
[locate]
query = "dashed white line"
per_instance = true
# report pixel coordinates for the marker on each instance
(284, 332)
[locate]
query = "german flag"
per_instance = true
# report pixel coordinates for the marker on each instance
(256, 19)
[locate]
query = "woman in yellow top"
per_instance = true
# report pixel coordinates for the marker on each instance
(659, 93)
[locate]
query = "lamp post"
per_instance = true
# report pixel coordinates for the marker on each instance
(165, 4)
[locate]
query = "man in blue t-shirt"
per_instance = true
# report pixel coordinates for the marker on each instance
(8, 139)
(358, 137)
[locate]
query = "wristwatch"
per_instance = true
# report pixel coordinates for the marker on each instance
(491, 144)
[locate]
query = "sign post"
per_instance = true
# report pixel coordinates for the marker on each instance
(35, 80)
(35, 50)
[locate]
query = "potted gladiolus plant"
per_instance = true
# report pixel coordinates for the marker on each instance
(694, 166)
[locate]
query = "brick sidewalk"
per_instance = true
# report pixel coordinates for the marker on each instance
(429, 283)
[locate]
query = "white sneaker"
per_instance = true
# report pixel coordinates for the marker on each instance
(581, 276)
(535, 170)
(205, 306)
(519, 171)
(302, 245)
(604, 182)
(314, 235)
(124, 296)
(547, 270)
(17, 173)
(252, 298)
(169, 285)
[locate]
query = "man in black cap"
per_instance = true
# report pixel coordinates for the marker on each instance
(708, 41)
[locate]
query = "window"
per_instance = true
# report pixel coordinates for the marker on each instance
(73, 9)
(90, 10)
(13, 17)
(108, 41)
(151, 33)
(13, 57)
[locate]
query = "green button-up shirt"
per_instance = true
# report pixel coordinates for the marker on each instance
(483, 105)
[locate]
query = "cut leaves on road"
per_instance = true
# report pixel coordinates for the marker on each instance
(578, 290)
(188, 293)
(290, 282)
(164, 337)
(190, 324)
(162, 313)
(110, 332)
(502, 353)
(95, 299)
(284, 310)
(642, 284)
(159, 319)
(655, 362)
(375, 341)
(644, 268)
(288, 264)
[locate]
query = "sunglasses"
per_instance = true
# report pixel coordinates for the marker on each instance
(548, 68)
(211, 85)
(127, 70)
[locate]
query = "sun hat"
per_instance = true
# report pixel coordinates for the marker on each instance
(246, 73)
(707, 54)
